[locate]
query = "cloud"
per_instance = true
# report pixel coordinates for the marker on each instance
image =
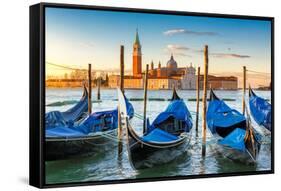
(182, 50)
(182, 54)
(189, 32)
(175, 47)
(88, 44)
(222, 55)
(225, 55)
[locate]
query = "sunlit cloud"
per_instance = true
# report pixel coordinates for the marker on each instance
(181, 54)
(226, 55)
(172, 32)
(223, 55)
(88, 44)
(176, 49)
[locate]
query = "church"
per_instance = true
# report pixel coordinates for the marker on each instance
(158, 77)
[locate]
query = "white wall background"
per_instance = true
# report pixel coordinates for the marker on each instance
(14, 67)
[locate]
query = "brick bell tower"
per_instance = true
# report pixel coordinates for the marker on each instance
(137, 56)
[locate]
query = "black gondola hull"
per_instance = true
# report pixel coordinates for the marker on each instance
(146, 157)
(142, 155)
(63, 148)
(244, 157)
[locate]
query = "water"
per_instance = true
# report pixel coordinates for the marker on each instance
(106, 165)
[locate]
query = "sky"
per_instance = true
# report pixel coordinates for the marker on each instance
(76, 37)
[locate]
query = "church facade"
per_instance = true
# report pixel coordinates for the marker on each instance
(158, 77)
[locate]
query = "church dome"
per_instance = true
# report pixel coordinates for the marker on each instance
(172, 64)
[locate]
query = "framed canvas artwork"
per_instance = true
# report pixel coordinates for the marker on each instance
(123, 95)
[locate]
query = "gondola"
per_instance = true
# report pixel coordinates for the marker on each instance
(164, 140)
(234, 133)
(72, 115)
(260, 110)
(93, 134)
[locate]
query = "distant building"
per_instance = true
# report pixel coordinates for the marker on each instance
(220, 82)
(130, 82)
(64, 83)
(158, 78)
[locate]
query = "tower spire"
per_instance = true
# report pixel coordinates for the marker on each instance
(137, 61)
(137, 40)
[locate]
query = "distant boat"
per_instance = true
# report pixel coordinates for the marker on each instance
(97, 130)
(260, 110)
(236, 137)
(72, 115)
(164, 140)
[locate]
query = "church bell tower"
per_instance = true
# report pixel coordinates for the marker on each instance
(137, 56)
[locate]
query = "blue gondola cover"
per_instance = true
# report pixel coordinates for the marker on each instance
(261, 111)
(96, 122)
(64, 132)
(176, 109)
(158, 135)
(235, 139)
(58, 119)
(219, 114)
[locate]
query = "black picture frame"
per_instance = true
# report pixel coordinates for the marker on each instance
(37, 93)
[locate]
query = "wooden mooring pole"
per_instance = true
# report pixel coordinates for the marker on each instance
(99, 83)
(244, 89)
(206, 61)
(120, 130)
(122, 68)
(145, 99)
(89, 89)
(197, 100)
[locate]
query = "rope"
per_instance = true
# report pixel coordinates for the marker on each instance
(138, 116)
(217, 74)
(257, 72)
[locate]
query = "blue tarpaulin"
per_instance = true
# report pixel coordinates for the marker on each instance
(221, 115)
(261, 111)
(99, 121)
(158, 135)
(177, 110)
(227, 123)
(64, 132)
(235, 139)
(96, 122)
(57, 118)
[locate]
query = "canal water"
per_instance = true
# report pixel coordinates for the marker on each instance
(105, 165)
